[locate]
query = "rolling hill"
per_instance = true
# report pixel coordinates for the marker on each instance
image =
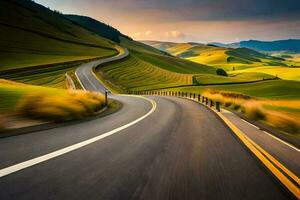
(147, 67)
(31, 35)
(95, 26)
(232, 59)
(290, 45)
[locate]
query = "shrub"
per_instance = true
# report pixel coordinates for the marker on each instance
(283, 122)
(227, 104)
(73, 105)
(236, 106)
(221, 72)
(253, 110)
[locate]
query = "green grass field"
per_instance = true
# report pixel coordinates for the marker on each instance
(240, 60)
(34, 35)
(273, 89)
(135, 74)
(233, 78)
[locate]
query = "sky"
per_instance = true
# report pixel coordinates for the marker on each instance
(203, 21)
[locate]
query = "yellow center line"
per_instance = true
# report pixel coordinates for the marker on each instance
(269, 161)
(259, 153)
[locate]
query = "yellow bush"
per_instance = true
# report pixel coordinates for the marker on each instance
(256, 109)
(72, 105)
(253, 110)
(284, 122)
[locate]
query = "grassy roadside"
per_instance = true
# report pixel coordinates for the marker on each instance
(283, 115)
(274, 104)
(44, 103)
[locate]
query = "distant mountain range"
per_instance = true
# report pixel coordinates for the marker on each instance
(290, 45)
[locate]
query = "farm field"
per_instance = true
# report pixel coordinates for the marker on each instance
(134, 74)
(240, 60)
(233, 78)
(286, 73)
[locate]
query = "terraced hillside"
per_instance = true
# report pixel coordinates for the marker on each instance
(239, 60)
(53, 76)
(148, 67)
(134, 74)
(31, 35)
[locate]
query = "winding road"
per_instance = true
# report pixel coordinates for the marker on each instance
(152, 148)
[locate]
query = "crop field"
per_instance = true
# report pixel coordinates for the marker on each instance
(233, 78)
(135, 74)
(50, 76)
(286, 73)
(240, 60)
(175, 64)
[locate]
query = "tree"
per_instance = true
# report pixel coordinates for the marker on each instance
(221, 72)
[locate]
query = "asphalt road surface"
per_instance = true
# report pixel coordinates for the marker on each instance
(155, 148)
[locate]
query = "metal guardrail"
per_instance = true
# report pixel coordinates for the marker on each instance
(195, 96)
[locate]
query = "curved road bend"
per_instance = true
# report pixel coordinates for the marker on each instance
(179, 151)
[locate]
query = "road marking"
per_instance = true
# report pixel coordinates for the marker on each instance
(79, 80)
(273, 136)
(284, 142)
(91, 83)
(250, 124)
(23, 165)
(270, 162)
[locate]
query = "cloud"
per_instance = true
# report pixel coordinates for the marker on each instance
(142, 34)
(210, 9)
(192, 20)
(136, 34)
(147, 33)
(175, 34)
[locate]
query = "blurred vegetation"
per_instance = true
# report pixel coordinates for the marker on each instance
(45, 103)
(260, 110)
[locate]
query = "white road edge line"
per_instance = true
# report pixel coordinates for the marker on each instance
(23, 165)
(273, 136)
(79, 80)
(250, 124)
(284, 142)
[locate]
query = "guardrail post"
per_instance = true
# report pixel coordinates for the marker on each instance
(206, 100)
(211, 103)
(198, 97)
(218, 106)
(203, 99)
(106, 97)
(194, 96)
